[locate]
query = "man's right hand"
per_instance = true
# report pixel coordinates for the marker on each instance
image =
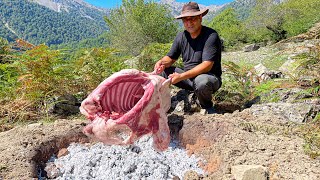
(163, 63)
(159, 67)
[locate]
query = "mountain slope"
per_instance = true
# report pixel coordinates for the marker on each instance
(50, 22)
(176, 7)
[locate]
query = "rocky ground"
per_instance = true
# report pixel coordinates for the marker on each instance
(227, 143)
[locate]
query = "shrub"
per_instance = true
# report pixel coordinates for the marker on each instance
(95, 65)
(41, 70)
(153, 53)
(136, 24)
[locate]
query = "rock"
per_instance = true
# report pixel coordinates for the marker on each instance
(35, 125)
(289, 68)
(295, 112)
(65, 105)
(260, 69)
(262, 73)
(63, 152)
(251, 47)
(183, 101)
(52, 170)
(249, 172)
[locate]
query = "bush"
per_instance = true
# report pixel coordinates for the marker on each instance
(93, 66)
(136, 24)
(229, 27)
(42, 71)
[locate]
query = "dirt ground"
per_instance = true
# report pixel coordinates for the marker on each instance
(221, 140)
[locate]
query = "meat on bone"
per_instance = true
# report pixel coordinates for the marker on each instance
(128, 105)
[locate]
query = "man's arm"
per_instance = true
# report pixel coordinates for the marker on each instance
(204, 67)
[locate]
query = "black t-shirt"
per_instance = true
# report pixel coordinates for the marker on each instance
(206, 47)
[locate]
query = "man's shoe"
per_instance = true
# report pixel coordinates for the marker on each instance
(210, 110)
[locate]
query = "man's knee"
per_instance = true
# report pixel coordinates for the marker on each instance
(205, 82)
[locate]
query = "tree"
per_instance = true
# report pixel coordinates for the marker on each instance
(299, 16)
(137, 23)
(265, 22)
(229, 27)
(4, 50)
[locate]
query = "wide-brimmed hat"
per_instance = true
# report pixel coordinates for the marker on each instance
(192, 9)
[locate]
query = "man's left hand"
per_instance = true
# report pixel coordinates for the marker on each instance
(175, 78)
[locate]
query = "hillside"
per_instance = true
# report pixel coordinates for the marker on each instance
(175, 7)
(50, 22)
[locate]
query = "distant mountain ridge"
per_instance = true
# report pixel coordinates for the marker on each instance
(66, 5)
(176, 7)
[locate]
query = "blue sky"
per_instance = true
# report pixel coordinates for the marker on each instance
(115, 3)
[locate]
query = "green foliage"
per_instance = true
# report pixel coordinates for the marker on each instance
(41, 71)
(308, 64)
(311, 135)
(8, 80)
(40, 74)
(229, 27)
(95, 65)
(267, 86)
(265, 22)
(237, 82)
(274, 22)
(153, 53)
(239, 72)
(242, 8)
(299, 16)
(4, 47)
(101, 41)
(137, 23)
(8, 71)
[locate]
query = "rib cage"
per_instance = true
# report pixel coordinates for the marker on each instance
(129, 100)
(122, 97)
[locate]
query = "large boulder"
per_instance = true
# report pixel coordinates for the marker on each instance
(65, 105)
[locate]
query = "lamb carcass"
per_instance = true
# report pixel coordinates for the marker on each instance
(128, 105)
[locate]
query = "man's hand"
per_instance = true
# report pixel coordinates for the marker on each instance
(175, 78)
(163, 63)
(159, 67)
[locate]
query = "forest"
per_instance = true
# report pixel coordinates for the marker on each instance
(40, 25)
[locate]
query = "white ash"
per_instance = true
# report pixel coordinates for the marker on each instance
(139, 161)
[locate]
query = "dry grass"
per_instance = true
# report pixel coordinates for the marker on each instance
(18, 110)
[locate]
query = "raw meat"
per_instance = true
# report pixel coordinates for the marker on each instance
(127, 105)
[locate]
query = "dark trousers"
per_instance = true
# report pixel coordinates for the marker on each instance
(203, 85)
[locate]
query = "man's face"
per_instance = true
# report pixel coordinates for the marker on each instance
(192, 23)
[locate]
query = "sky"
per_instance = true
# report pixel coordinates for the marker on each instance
(115, 3)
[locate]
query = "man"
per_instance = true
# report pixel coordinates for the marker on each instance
(200, 48)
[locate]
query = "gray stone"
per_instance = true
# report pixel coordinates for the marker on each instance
(260, 69)
(65, 105)
(295, 112)
(290, 67)
(183, 101)
(251, 47)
